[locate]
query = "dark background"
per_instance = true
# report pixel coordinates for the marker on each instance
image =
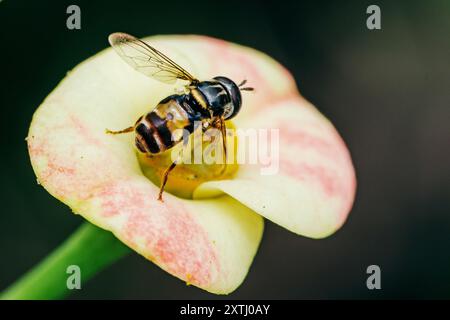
(386, 91)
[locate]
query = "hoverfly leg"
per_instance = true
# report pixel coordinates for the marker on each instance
(223, 129)
(165, 176)
(164, 179)
(219, 123)
(129, 129)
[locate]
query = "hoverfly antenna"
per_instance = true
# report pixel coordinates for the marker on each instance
(242, 83)
(245, 88)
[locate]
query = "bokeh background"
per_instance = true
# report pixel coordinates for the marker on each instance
(386, 91)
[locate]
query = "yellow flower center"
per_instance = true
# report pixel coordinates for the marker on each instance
(200, 162)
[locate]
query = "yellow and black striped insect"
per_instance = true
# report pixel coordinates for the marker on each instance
(209, 102)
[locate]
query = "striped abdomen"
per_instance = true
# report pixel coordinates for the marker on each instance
(158, 130)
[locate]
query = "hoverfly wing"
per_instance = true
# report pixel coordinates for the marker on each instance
(147, 60)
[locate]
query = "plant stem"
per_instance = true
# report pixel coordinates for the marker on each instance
(90, 248)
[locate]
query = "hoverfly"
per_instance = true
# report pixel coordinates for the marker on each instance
(211, 102)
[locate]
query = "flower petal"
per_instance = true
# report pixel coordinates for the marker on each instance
(208, 243)
(312, 192)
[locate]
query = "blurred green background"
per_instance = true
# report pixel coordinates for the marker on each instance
(386, 91)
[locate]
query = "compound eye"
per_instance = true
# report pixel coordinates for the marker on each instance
(234, 93)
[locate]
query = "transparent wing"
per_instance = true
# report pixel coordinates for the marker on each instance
(147, 60)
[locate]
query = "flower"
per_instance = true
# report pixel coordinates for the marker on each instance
(208, 241)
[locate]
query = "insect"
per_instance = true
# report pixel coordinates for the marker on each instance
(210, 102)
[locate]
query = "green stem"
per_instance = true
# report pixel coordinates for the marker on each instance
(90, 248)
